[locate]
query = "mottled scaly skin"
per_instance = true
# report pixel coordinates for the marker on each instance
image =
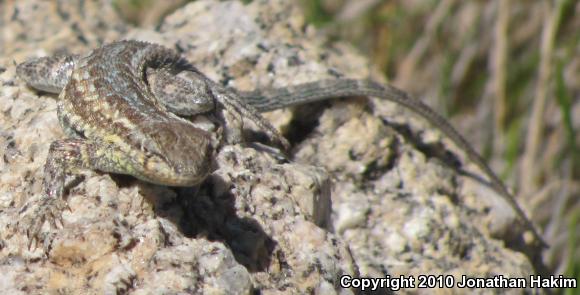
(113, 106)
(128, 131)
(121, 106)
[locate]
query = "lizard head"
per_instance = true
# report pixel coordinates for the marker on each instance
(48, 74)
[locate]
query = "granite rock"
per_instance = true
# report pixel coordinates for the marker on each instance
(357, 198)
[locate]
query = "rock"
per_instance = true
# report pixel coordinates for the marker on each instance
(356, 199)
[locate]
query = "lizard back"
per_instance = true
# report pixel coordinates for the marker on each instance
(108, 99)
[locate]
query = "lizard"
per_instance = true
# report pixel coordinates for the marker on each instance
(132, 107)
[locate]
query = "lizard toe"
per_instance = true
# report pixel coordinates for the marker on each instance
(33, 216)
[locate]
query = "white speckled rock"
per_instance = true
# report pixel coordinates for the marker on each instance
(257, 223)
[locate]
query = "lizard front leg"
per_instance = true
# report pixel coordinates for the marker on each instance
(68, 156)
(64, 156)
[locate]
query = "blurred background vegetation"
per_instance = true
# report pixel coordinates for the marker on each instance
(505, 72)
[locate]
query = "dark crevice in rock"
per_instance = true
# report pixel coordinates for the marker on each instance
(431, 150)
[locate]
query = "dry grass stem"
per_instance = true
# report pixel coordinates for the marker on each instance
(499, 53)
(409, 64)
(529, 181)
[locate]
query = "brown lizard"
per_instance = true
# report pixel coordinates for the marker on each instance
(124, 107)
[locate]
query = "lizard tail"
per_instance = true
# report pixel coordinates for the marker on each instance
(272, 99)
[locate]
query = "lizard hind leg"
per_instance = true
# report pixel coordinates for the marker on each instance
(182, 96)
(185, 91)
(234, 107)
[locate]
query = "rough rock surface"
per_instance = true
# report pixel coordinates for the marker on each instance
(357, 199)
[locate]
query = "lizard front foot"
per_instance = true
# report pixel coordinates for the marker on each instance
(33, 215)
